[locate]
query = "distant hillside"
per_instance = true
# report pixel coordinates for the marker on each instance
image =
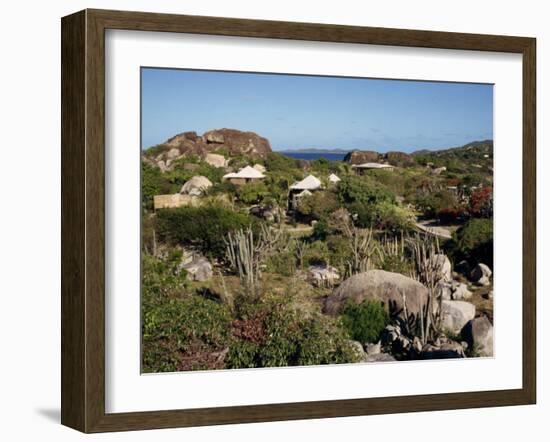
(468, 151)
(475, 157)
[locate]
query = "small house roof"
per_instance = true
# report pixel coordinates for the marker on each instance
(333, 178)
(308, 183)
(245, 172)
(259, 168)
(373, 166)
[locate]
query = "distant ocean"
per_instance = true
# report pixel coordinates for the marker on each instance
(315, 155)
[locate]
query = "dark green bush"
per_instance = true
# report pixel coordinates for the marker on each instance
(152, 183)
(185, 334)
(474, 242)
(276, 162)
(318, 205)
(282, 263)
(162, 279)
(274, 334)
(203, 227)
(366, 321)
(383, 215)
(364, 190)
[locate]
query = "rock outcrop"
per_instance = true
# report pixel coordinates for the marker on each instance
(399, 159)
(362, 156)
(230, 141)
(379, 285)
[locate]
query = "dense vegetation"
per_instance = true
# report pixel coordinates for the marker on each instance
(259, 308)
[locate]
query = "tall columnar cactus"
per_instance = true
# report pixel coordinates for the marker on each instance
(429, 271)
(246, 253)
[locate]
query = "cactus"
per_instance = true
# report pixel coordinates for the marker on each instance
(246, 253)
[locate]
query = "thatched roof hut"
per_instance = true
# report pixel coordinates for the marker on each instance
(308, 183)
(245, 175)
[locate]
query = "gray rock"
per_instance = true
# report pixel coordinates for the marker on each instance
(444, 289)
(379, 285)
(214, 137)
(173, 153)
(455, 315)
(373, 349)
(358, 349)
(196, 186)
(478, 333)
(380, 357)
(461, 292)
(199, 269)
(447, 350)
(442, 263)
(323, 275)
(481, 274)
(390, 334)
(215, 160)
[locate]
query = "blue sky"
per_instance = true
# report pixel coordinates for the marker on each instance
(296, 112)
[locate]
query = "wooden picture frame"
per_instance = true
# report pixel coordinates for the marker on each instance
(83, 220)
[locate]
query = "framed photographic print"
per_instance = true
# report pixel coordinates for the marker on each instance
(268, 220)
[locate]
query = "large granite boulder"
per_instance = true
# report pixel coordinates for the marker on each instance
(478, 333)
(379, 285)
(455, 315)
(362, 156)
(196, 186)
(399, 159)
(215, 160)
(237, 142)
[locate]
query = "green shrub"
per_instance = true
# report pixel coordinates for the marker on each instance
(253, 193)
(366, 321)
(276, 162)
(282, 263)
(162, 279)
(316, 253)
(318, 205)
(184, 334)
(152, 183)
(432, 203)
(363, 189)
(203, 227)
(474, 241)
(274, 334)
(383, 215)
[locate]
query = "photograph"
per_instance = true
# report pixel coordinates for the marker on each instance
(305, 220)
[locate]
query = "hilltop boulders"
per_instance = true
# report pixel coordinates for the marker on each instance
(362, 156)
(399, 159)
(386, 287)
(231, 141)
